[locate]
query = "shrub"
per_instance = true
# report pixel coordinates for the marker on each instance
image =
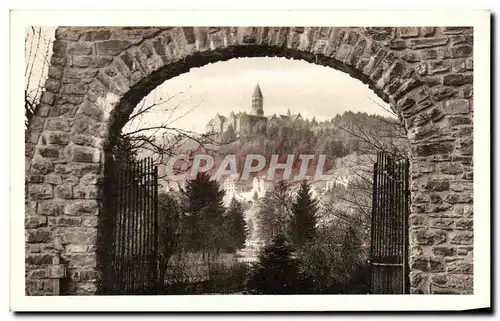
(278, 271)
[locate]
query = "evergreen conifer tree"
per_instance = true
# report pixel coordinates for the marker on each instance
(278, 271)
(203, 221)
(236, 226)
(304, 212)
(275, 211)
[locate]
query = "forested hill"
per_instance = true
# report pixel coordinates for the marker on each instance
(338, 137)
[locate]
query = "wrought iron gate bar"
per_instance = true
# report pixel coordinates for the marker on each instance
(131, 204)
(389, 244)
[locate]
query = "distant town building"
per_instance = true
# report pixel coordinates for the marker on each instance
(243, 191)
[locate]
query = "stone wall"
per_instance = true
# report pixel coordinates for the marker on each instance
(98, 75)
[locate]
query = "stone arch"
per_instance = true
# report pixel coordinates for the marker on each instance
(98, 75)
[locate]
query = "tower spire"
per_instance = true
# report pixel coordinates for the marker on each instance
(257, 102)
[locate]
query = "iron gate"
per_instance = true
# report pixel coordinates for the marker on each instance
(132, 194)
(389, 230)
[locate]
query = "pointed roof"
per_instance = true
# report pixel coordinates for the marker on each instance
(257, 92)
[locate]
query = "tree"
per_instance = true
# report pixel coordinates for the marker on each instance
(303, 219)
(203, 216)
(38, 45)
(169, 228)
(336, 260)
(275, 211)
(278, 271)
(236, 226)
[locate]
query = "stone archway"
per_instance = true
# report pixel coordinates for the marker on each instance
(98, 75)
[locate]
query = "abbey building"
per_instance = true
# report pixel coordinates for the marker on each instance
(243, 123)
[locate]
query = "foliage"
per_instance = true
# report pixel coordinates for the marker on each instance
(229, 277)
(203, 215)
(278, 271)
(235, 227)
(275, 211)
(169, 230)
(216, 278)
(38, 44)
(123, 150)
(336, 261)
(303, 220)
(340, 136)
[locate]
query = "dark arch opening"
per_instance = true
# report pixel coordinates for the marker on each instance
(120, 114)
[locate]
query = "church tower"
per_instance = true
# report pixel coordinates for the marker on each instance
(257, 102)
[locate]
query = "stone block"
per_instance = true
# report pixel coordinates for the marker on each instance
(64, 110)
(38, 274)
(64, 221)
(459, 120)
(49, 151)
(64, 191)
(429, 237)
(57, 138)
(416, 220)
(464, 224)
(462, 51)
(77, 248)
(437, 186)
(39, 259)
(86, 192)
(67, 34)
(436, 264)
(34, 221)
(435, 198)
(36, 179)
(456, 106)
(47, 97)
(427, 42)
(460, 267)
(433, 148)
(457, 79)
(90, 221)
(461, 186)
(84, 154)
(443, 223)
(444, 251)
(79, 170)
(438, 66)
(463, 238)
(57, 124)
(77, 208)
(39, 235)
(111, 47)
(428, 31)
(53, 179)
(40, 191)
(407, 32)
(419, 263)
(51, 207)
(410, 56)
(74, 89)
(80, 259)
(96, 35)
(456, 30)
(80, 48)
(459, 198)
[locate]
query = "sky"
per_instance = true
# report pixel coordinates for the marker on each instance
(222, 87)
